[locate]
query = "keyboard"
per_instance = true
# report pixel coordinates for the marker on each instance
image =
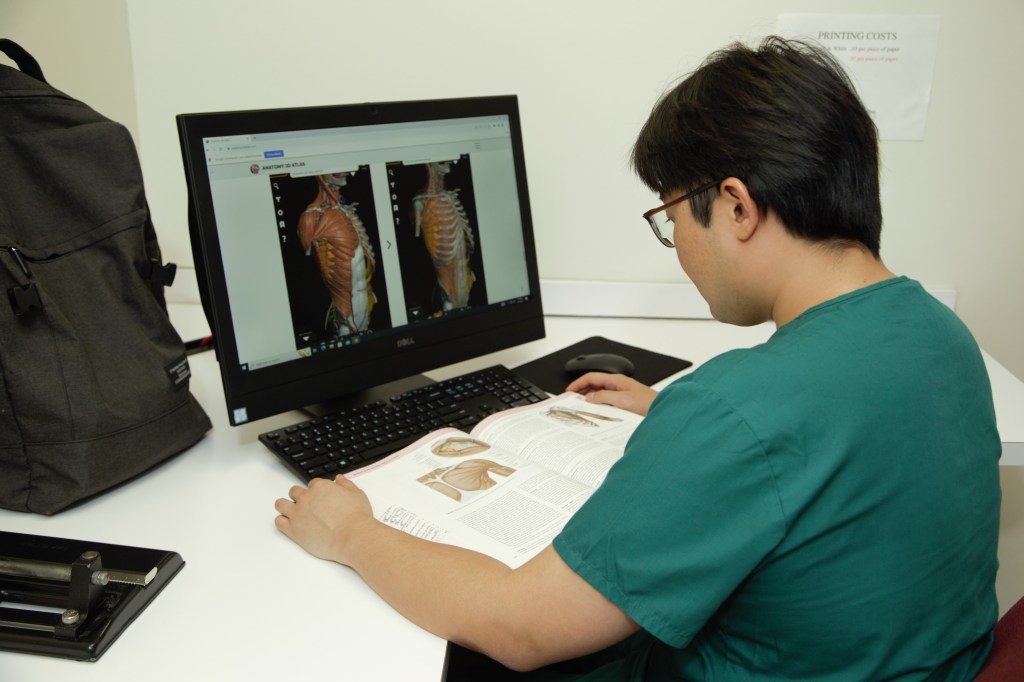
(353, 437)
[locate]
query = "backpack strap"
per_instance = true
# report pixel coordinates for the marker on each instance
(26, 62)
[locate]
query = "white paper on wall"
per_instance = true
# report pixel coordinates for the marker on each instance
(890, 58)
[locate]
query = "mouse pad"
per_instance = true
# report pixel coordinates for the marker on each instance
(549, 372)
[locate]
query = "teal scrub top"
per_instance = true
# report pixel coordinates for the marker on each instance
(824, 506)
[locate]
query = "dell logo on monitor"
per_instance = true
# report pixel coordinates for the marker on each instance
(407, 341)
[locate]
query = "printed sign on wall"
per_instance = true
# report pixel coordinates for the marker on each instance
(890, 59)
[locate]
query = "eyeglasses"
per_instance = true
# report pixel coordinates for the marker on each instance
(658, 218)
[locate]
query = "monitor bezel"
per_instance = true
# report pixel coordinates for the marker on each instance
(256, 394)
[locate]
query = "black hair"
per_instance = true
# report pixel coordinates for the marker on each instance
(785, 119)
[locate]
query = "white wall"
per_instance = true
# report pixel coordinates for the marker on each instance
(586, 73)
(83, 49)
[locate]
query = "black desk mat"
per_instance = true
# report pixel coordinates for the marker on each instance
(549, 372)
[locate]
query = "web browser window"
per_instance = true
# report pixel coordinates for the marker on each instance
(330, 235)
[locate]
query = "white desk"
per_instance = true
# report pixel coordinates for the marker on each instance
(249, 604)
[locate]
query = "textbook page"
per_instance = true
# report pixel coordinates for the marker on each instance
(506, 488)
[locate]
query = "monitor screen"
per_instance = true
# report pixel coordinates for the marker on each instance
(338, 248)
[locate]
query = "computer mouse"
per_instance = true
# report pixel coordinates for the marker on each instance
(599, 362)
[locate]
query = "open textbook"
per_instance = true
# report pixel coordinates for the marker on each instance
(507, 487)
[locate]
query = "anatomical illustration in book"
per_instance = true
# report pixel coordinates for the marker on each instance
(470, 476)
(578, 417)
(458, 446)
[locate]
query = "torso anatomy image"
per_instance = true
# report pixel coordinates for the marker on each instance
(442, 221)
(331, 229)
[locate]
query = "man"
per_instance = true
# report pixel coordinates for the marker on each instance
(823, 506)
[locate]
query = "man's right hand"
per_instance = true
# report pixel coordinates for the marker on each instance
(616, 390)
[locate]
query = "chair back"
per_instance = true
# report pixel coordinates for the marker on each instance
(1006, 661)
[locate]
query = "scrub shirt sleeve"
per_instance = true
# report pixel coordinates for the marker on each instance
(682, 519)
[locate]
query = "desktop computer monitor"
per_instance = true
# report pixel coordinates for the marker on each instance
(338, 248)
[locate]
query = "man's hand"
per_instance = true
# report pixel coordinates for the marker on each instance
(322, 517)
(616, 390)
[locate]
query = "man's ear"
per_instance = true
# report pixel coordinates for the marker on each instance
(744, 214)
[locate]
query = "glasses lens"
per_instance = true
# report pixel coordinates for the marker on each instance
(662, 224)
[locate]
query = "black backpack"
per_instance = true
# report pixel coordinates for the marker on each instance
(93, 377)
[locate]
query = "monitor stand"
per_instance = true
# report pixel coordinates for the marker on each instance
(369, 395)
